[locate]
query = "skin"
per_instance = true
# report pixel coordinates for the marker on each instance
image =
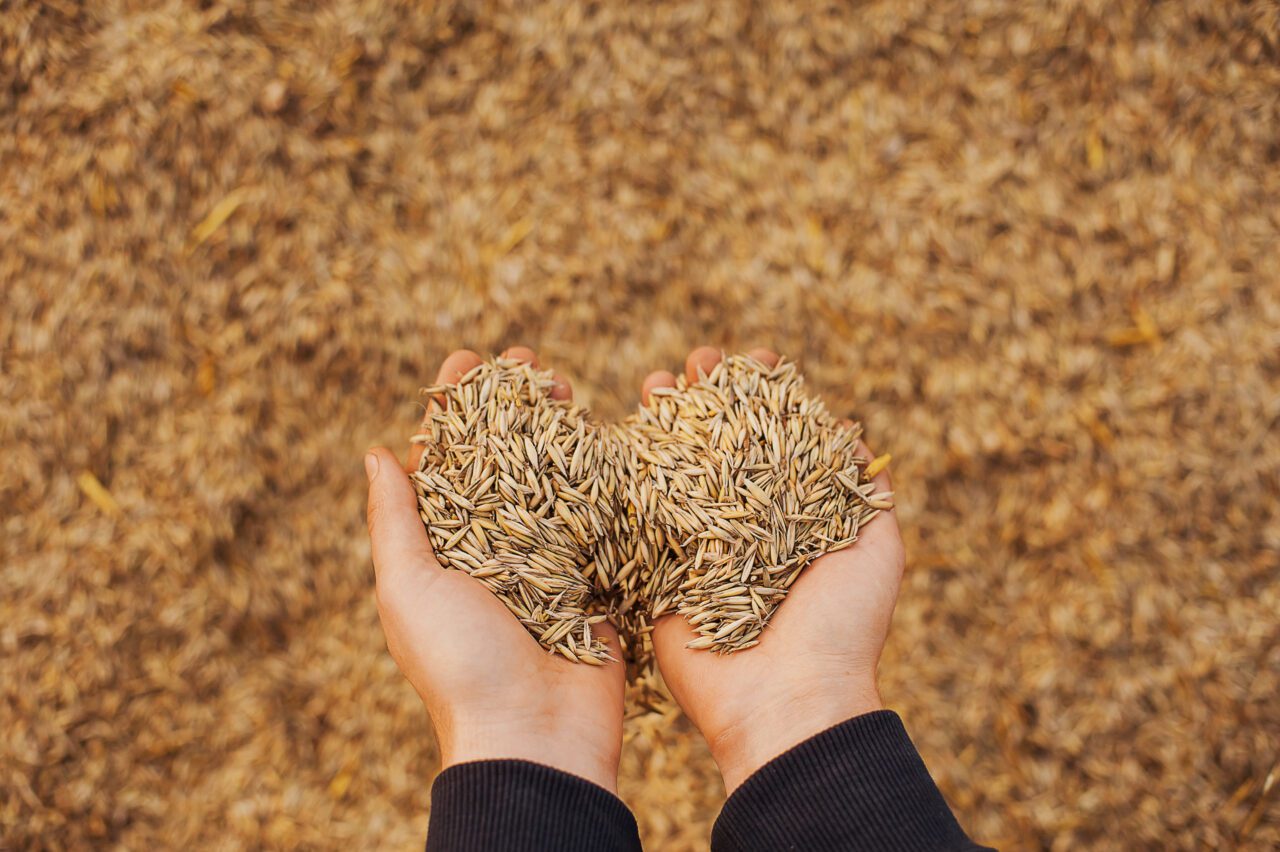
(492, 692)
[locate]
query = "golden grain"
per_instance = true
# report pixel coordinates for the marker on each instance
(497, 423)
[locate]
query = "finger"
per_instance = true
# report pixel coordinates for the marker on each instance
(703, 359)
(561, 390)
(653, 381)
(609, 634)
(765, 356)
(454, 367)
(522, 353)
(458, 364)
(415, 454)
(400, 541)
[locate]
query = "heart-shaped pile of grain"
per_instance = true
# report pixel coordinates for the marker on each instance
(733, 485)
(514, 489)
(709, 502)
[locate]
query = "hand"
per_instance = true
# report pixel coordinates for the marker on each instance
(491, 690)
(816, 662)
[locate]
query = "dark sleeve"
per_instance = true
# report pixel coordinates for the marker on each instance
(859, 785)
(517, 805)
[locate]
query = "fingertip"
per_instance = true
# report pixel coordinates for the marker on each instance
(608, 633)
(378, 461)
(560, 388)
(670, 635)
(881, 534)
(522, 353)
(458, 364)
(765, 356)
(701, 361)
(415, 456)
(655, 380)
(379, 455)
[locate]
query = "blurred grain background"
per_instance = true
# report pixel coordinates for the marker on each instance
(1032, 246)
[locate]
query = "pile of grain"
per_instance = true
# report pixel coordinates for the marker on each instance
(514, 490)
(740, 480)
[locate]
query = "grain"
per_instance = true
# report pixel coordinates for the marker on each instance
(737, 482)
(520, 492)
(501, 502)
(708, 502)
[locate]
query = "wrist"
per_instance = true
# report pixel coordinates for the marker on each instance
(778, 725)
(561, 744)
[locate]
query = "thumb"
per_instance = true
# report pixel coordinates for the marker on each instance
(400, 541)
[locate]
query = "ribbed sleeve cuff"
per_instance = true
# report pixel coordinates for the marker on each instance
(518, 805)
(859, 785)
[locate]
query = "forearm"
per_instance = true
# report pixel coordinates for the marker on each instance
(859, 785)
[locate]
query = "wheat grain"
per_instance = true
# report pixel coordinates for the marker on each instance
(501, 500)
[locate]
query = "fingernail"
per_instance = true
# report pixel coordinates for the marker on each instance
(370, 465)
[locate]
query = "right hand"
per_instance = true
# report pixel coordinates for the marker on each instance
(815, 666)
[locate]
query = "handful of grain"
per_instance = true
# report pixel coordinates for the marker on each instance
(734, 484)
(513, 489)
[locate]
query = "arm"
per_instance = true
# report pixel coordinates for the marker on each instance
(809, 756)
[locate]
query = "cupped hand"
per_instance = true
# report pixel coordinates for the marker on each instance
(816, 662)
(491, 690)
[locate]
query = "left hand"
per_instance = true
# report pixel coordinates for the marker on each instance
(491, 690)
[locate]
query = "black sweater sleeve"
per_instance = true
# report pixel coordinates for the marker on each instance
(517, 805)
(859, 785)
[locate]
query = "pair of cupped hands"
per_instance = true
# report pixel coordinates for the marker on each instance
(493, 693)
